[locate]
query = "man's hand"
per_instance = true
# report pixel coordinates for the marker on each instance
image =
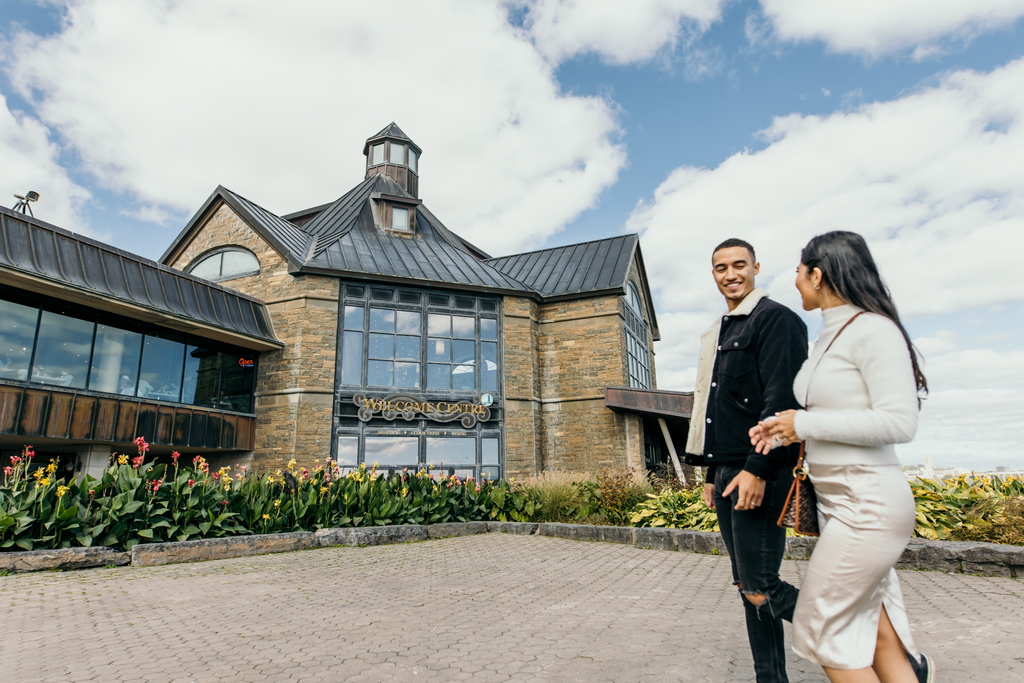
(709, 495)
(760, 439)
(751, 490)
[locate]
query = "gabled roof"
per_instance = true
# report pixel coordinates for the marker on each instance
(582, 269)
(288, 239)
(43, 258)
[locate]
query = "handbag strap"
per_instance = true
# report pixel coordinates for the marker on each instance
(799, 470)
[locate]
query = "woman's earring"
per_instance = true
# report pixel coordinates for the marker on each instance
(817, 287)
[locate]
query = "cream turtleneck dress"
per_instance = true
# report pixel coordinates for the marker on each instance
(860, 398)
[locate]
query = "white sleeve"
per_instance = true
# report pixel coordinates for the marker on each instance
(880, 353)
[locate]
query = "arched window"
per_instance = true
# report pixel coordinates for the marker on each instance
(225, 264)
(637, 355)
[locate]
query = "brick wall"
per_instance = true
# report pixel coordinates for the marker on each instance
(295, 385)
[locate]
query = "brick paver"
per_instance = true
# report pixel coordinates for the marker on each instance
(492, 607)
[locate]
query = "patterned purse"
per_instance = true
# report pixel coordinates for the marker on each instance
(800, 513)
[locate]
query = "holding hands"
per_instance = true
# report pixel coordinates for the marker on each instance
(775, 431)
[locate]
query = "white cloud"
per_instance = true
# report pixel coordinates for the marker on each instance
(30, 162)
(163, 101)
(620, 32)
(874, 28)
(934, 180)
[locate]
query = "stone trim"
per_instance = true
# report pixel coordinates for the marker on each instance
(954, 557)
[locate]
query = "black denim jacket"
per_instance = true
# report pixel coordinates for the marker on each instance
(758, 356)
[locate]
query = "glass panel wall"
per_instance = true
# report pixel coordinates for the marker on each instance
(80, 348)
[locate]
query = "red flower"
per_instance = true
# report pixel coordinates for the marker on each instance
(215, 475)
(191, 482)
(9, 470)
(137, 462)
(140, 443)
(174, 457)
(156, 485)
(28, 452)
(223, 502)
(15, 460)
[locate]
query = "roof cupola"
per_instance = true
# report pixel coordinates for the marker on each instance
(391, 153)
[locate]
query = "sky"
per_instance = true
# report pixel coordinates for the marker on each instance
(548, 122)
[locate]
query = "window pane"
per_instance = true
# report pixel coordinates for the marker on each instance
(451, 451)
(407, 375)
(439, 325)
(208, 268)
(379, 373)
(463, 327)
(382, 320)
(62, 351)
(399, 218)
(202, 375)
(352, 358)
(407, 348)
(236, 383)
(489, 358)
(397, 155)
(464, 377)
(390, 450)
(382, 346)
(439, 350)
(348, 450)
(489, 452)
(17, 335)
(408, 322)
(492, 473)
(162, 363)
(463, 351)
(238, 263)
(439, 376)
(488, 329)
(377, 154)
(115, 360)
(412, 160)
(353, 317)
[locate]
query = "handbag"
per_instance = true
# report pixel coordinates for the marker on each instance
(800, 513)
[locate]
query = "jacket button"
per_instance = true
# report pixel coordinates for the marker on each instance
(709, 420)
(714, 384)
(735, 343)
(746, 401)
(710, 455)
(725, 317)
(719, 348)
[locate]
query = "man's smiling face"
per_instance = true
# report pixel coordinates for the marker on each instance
(734, 273)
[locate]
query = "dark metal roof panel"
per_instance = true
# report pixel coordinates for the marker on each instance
(573, 269)
(295, 239)
(45, 251)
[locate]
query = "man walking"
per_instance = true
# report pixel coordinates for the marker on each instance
(748, 360)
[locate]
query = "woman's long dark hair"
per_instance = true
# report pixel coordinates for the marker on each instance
(848, 269)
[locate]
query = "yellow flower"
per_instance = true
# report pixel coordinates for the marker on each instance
(266, 516)
(37, 474)
(292, 463)
(122, 459)
(61, 490)
(52, 467)
(44, 482)
(277, 503)
(405, 490)
(324, 490)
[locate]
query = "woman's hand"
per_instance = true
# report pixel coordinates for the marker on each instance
(760, 439)
(782, 427)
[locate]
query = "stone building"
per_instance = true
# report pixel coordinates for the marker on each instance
(392, 340)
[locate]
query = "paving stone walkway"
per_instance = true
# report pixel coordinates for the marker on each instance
(492, 607)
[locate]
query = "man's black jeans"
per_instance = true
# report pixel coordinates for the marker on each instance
(756, 544)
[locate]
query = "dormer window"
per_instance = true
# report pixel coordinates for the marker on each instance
(397, 153)
(377, 154)
(412, 160)
(400, 218)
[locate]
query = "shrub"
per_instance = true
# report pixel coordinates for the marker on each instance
(555, 495)
(680, 509)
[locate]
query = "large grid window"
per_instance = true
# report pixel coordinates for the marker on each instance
(68, 346)
(437, 345)
(638, 359)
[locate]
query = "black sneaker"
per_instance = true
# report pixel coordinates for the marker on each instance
(923, 668)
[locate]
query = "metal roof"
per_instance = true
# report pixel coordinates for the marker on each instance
(49, 259)
(391, 131)
(572, 269)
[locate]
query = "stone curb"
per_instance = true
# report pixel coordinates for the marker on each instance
(154, 554)
(986, 559)
(62, 558)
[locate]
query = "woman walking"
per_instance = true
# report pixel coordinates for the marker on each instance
(860, 391)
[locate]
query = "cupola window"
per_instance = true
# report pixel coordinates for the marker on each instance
(397, 153)
(226, 264)
(412, 160)
(377, 154)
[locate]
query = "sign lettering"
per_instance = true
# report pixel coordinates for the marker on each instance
(412, 408)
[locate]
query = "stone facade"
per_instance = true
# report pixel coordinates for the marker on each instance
(295, 385)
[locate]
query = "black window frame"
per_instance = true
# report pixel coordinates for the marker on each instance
(220, 251)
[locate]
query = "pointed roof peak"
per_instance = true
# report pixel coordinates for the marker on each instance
(391, 131)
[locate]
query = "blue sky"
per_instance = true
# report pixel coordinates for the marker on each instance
(545, 122)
